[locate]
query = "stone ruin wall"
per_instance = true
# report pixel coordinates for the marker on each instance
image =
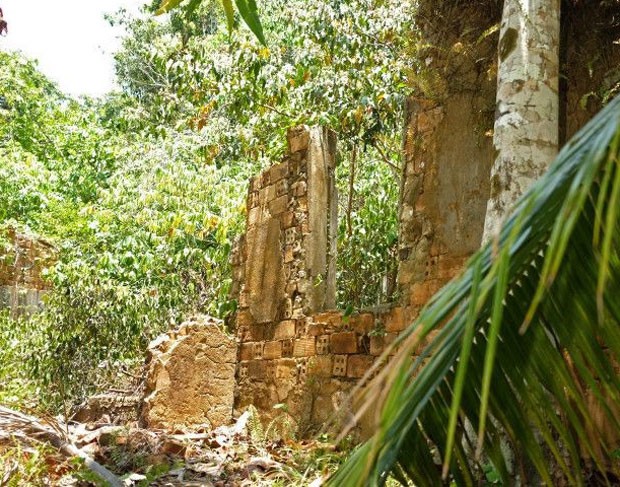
(22, 261)
(294, 347)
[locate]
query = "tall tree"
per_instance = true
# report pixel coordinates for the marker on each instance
(526, 124)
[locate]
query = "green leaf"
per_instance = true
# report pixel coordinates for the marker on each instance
(230, 14)
(249, 13)
(167, 5)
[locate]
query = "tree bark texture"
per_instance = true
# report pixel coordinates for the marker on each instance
(527, 104)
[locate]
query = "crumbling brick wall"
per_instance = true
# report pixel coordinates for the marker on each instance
(294, 348)
(22, 261)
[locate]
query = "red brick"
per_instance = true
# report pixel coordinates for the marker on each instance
(377, 344)
(345, 342)
(272, 350)
(358, 365)
(256, 333)
(304, 347)
(258, 351)
(285, 329)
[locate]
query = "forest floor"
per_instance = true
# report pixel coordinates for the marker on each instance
(235, 455)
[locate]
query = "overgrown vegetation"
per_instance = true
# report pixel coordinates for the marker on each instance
(143, 192)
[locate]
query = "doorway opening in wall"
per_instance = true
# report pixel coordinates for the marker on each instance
(368, 180)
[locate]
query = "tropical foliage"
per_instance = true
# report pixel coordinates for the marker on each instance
(142, 192)
(528, 343)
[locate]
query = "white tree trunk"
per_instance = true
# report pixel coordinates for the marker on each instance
(526, 124)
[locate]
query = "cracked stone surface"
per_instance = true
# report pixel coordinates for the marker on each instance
(191, 377)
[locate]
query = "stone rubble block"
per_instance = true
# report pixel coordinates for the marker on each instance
(343, 343)
(298, 139)
(321, 366)
(394, 320)
(358, 365)
(284, 329)
(362, 323)
(191, 377)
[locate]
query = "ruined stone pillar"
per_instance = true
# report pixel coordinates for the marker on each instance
(448, 148)
(286, 261)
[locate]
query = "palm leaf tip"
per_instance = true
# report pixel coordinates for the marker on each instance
(546, 299)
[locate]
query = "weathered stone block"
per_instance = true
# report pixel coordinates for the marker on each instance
(272, 350)
(244, 318)
(265, 178)
(252, 199)
(330, 318)
(298, 139)
(246, 351)
(281, 187)
(255, 183)
(191, 379)
(288, 219)
(284, 329)
(362, 323)
(255, 216)
(320, 366)
(267, 194)
(300, 188)
(314, 329)
(344, 342)
(279, 171)
(304, 347)
(394, 320)
(279, 205)
(358, 365)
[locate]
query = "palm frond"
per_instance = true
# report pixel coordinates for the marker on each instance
(528, 341)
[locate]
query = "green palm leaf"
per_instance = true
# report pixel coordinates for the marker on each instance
(247, 9)
(528, 332)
